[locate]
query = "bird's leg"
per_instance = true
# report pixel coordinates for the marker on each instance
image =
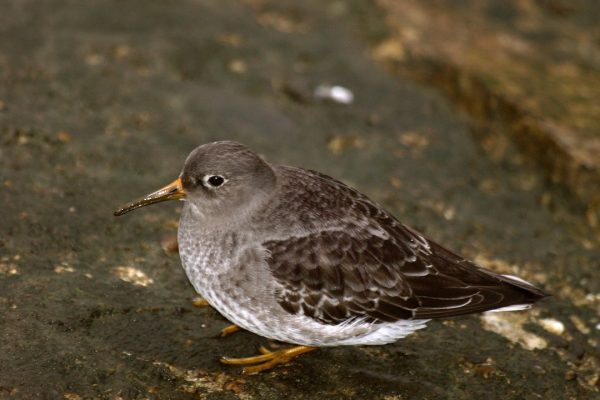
(228, 330)
(268, 359)
(200, 302)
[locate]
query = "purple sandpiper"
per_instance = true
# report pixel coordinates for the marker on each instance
(299, 257)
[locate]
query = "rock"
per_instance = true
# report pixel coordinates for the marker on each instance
(550, 112)
(92, 307)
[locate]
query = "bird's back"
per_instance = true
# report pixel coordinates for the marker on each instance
(340, 257)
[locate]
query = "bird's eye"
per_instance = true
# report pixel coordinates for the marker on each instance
(214, 180)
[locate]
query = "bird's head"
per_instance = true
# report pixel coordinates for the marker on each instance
(219, 179)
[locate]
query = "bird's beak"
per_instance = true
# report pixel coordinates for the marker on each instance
(172, 191)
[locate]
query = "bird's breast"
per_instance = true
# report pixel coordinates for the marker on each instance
(204, 255)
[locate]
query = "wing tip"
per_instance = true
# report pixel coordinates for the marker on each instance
(513, 307)
(535, 292)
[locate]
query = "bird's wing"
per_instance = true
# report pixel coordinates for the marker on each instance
(371, 266)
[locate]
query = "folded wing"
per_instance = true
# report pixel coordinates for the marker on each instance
(383, 271)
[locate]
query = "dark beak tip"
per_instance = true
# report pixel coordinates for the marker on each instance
(170, 192)
(122, 210)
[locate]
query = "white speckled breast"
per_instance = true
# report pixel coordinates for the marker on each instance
(227, 269)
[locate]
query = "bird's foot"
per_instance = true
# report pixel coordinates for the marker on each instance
(228, 330)
(268, 359)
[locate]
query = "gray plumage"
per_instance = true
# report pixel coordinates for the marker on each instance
(297, 256)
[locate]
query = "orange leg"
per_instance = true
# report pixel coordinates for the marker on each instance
(228, 330)
(200, 302)
(268, 359)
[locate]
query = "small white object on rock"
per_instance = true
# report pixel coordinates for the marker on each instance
(510, 325)
(63, 269)
(8, 268)
(132, 275)
(552, 325)
(337, 94)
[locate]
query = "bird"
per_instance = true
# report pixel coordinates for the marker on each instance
(296, 256)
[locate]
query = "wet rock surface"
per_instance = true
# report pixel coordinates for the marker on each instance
(102, 101)
(531, 66)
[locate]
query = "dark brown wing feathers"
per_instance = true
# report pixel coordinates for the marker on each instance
(373, 267)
